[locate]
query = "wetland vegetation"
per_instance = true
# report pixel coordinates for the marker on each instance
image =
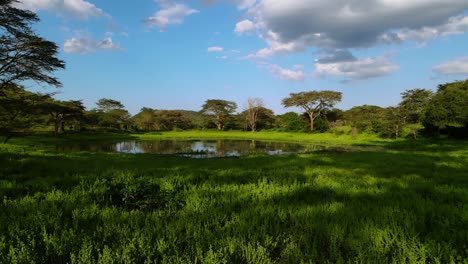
(404, 202)
(368, 184)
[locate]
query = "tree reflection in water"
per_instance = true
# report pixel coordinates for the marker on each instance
(203, 149)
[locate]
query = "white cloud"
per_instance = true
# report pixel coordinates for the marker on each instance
(454, 26)
(295, 25)
(169, 14)
(356, 69)
(241, 4)
(295, 75)
(76, 8)
(215, 49)
(224, 57)
(88, 45)
(276, 46)
(456, 66)
(244, 26)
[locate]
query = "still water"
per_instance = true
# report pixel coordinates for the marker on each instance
(199, 148)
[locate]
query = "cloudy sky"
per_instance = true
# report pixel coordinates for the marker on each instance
(169, 54)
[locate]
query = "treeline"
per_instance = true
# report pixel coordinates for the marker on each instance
(25, 56)
(420, 112)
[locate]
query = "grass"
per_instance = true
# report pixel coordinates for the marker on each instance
(322, 138)
(404, 203)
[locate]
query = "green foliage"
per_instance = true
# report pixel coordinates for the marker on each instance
(173, 120)
(290, 122)
(264, 119)
(20, 110)
(219, 111)
(107, 105)
(414, 103)
(314, 103)
(447, 110)
(110, 114)
(24, 56)
(366, 118)
(63, 112)
(145, 120)
(405, 204)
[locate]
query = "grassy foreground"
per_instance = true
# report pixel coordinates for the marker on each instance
(406, 203)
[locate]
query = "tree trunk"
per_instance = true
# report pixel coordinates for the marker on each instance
(56, 127)
(7, 137)
(219, 124)
(311, 116)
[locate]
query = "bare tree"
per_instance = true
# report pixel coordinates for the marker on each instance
(253, 107)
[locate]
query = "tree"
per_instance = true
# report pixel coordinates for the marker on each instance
(145, 119)
(106, 105)
(366, 118)
(313, 102)
(414, 103)
(173, 119)
(291, 122)
(20, 110)
(393, 122)
(219, 111)
(447, 111)
(112, 114)
(23, 54)
(62, 112)
(253, 107)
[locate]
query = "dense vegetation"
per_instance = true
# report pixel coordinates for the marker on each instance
(386, 201)
(421, 112)
(405, 203)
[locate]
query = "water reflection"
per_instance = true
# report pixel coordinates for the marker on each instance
(199, 149)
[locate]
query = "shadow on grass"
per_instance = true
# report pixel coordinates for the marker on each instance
(407, 204)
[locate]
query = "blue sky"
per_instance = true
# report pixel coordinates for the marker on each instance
(168, 54)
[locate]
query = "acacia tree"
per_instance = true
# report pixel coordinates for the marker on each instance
(219, 110)
(253, 108)
(23, 54)
(313, 102)
(63, 111)
(112, 113)
(20, 110)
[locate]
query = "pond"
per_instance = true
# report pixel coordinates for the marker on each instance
(203, 148)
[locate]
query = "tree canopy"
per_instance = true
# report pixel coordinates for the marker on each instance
(448, 110)
(313, 102)
(24, 55)
(219, 110)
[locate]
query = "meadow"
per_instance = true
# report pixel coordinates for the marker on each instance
(404, 202)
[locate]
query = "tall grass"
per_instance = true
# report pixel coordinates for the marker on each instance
(406, 203)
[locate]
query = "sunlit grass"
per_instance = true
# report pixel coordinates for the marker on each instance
(404, 203)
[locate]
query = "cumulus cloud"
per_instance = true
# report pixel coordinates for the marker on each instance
(456, 66)
(354, 69)
(169, 14)
(87, 45)
(215, 49)
(244, 26)
(276, 46)
(76, 8)
(296, 75)
(454, 26)
(295, 25)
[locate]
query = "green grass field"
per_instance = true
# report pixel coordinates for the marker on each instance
(406, 202)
